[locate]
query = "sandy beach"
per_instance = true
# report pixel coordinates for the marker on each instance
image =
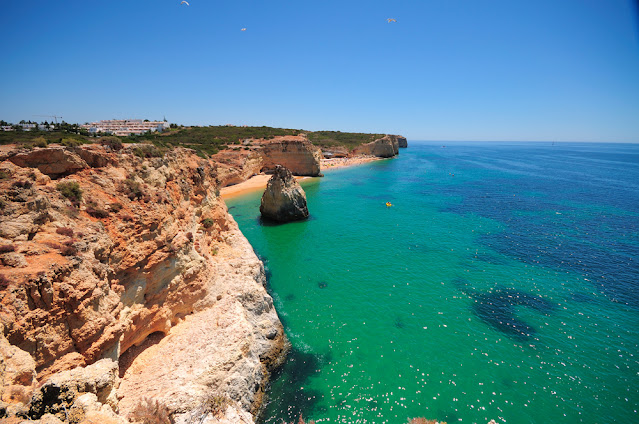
(334, 163)
(258, 182)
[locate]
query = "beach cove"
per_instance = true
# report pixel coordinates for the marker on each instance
(498, 286)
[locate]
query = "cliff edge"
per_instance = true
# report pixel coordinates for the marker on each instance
(128, 273)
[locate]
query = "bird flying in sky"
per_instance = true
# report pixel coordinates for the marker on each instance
(185, 2)
(391, 20)
(243, 29)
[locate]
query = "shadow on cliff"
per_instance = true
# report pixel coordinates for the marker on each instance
(126, 359)
(497, 308)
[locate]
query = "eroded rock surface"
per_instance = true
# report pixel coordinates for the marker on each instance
(284, 199)
(52, 161)
(385, 147)
(146, 275)
(295, 153)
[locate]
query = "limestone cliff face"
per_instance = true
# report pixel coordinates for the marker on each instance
(145, 270)
(293, 152)
(233, 167)
(384, 147)
(402, 142)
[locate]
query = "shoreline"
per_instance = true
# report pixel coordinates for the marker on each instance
(258, 182)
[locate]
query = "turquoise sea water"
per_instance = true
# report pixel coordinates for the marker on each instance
(502, 284)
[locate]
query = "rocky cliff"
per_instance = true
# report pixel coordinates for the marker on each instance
(402, 142)
(293, 152)
(385, 147)
(235, 166)
(131, 265)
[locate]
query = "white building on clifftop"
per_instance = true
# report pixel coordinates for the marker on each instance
(125, 127)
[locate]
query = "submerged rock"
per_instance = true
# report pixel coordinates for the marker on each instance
(284, 199)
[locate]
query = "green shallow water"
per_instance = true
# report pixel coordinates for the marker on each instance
(452, 306)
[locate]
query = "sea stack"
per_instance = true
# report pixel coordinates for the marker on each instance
(284, 199)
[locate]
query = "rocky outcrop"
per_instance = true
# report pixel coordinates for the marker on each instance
(17, 377)
(52, 161)
(146, 271)
(335, 152)
(402, 142)
(58, 395)
(284, 199)
(293, 152)
(384, 147)
(234, 167)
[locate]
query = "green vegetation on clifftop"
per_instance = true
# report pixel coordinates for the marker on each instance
(204, 140)
(338, 138)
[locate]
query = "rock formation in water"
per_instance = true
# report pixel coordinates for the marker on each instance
(284, 199)
(402, 142)
(384, 147)
(124, 282)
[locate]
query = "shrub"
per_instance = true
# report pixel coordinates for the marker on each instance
(133, 189)
(4, 174)
(150, 411)
(22, 184)
(111, 141)
(96, 211)
(70, 142)
(189, 236)
(115, 207)
(216, 404)
(207, 223)
(147, 151)
(52, 245)
(65, 231)
(126, 217)
(40, 142)
(71, 190)
(6, 248)
(68, 251)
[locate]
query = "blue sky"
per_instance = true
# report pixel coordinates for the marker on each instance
(559, 70)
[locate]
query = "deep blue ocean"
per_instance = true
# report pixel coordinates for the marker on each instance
(502, 283)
